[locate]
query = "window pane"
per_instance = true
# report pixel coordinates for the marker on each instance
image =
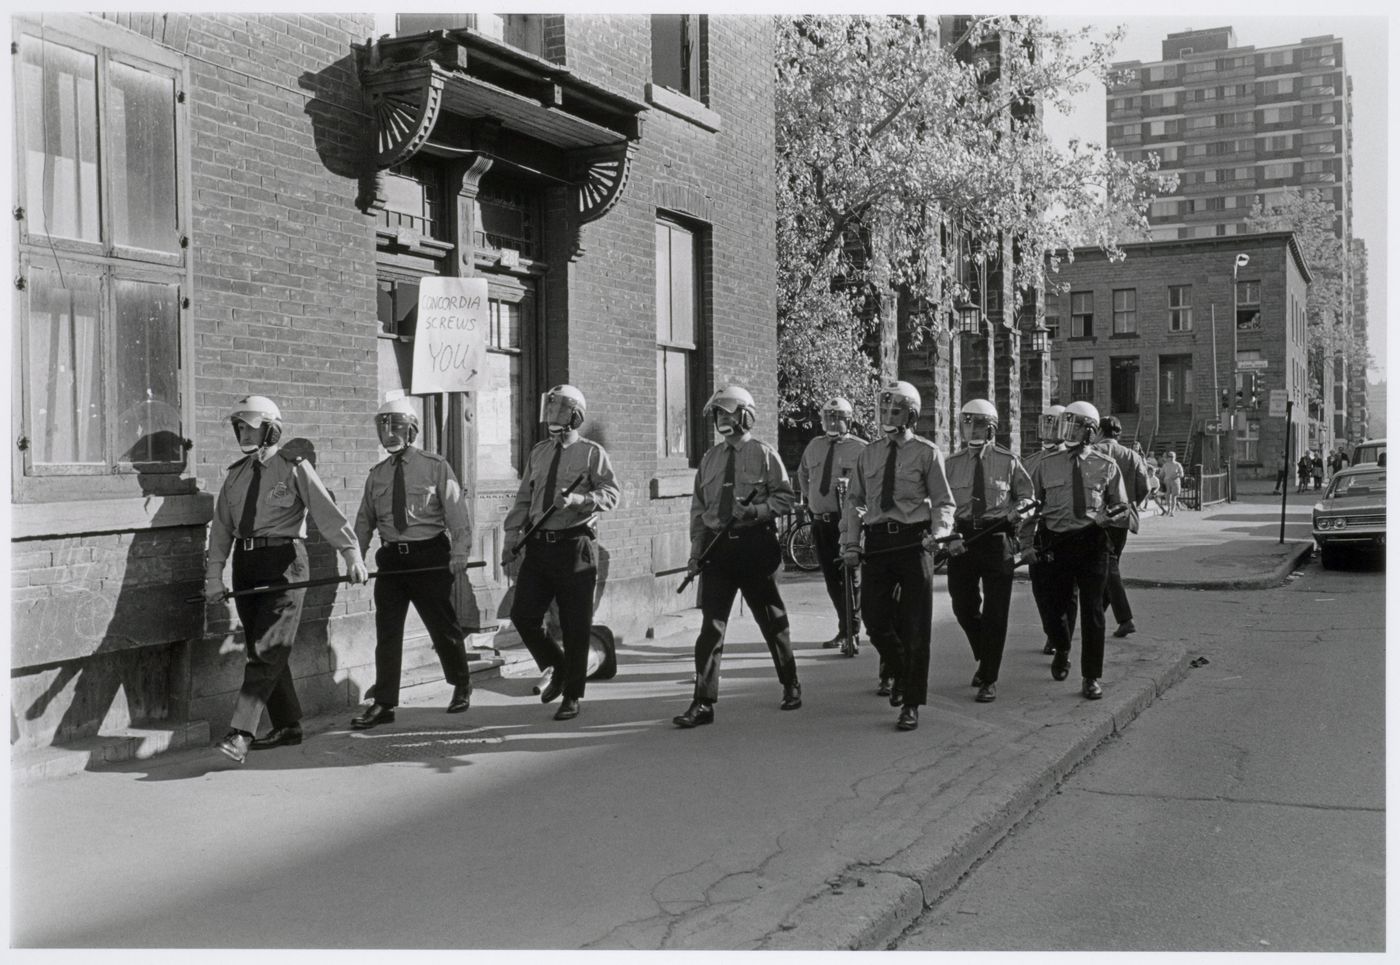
(499, 419)
(663, 282)
(677, 403)
(64, 383)
(141, 132)
(60, 140)
(148, 394)
(667, 44)
(682, 287)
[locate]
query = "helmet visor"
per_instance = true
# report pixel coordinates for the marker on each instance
(1074, 428)
(977, 429)
(836, 421)
(247, 417)
(895, 410)
(1049, 427)
(557, 410)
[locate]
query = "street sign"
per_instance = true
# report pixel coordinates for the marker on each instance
(1278, 403)
(1251, 365)
(1215, 429)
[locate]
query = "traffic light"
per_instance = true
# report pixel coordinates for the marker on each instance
(1224, 398)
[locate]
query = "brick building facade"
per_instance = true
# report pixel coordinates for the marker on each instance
(269, 193)
(1150, 339)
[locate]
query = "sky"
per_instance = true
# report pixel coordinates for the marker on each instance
(1365, 43)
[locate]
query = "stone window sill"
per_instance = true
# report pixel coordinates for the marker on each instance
(672, 483)
(128, 514)
(687, 108)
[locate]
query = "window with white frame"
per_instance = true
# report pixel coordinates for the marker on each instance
(1081, 314)
(1124, 311)
(102, 252)
(679, 328)
(1179, 308)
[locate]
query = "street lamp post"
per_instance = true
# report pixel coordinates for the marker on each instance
(1240, 261)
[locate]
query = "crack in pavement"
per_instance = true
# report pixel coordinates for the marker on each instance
(1221, 798)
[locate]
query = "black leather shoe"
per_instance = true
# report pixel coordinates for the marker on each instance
(977, 679)
(1125, 628)
(792, 696)
(834, 642)
(568, 709)
(884, 689)
(277, 737)
(554, 688)
(1059, 667)
(908, 718)
(695, 715)
(235, 745)
(1092, 690)
(376, 715)
(896, 695)
(1048, 649)
(987, 694)
(461, 699)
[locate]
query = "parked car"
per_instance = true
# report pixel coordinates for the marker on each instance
(1351, 514)
(1370, 451)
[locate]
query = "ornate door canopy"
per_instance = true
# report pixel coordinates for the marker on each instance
(457, 92)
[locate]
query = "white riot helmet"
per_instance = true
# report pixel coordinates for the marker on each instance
(978, 423)
(257, 411)
(397, 424)
(562, 408)
(837, 416)
(1079, 423)
(1050, 425)
(735, 400)
(899, 406)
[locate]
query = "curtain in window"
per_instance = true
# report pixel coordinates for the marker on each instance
(60, 136)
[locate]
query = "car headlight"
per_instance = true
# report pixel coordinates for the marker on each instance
(1339, 524)
(1322, 524)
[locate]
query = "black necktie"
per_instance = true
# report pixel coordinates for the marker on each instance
(826, 469)
(1080, 504)
(400, 498)
(726, 492)
(250, 502)
(979, 489)
(887, 484)
(551, 478)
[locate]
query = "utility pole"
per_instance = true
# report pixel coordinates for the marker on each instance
(1240, 261)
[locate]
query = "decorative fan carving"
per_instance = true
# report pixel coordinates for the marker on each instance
(404, 117)
(601, 180)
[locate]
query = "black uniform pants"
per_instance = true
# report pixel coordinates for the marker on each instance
(897, 604)
(431, 595)
(1052, 610)
(1114, 595)
(562, 569)
(827, 536)
(1080, 562)
(979, 584)
(270, 622)
(743, 561)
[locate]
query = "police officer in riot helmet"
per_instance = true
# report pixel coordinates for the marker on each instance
(1048, 427)
(413, 501)
(992, 491)
(567, 484)
(1134, 470)
(1082, 494)
(741, 488)
(260, 515)
(898, 504)
(823, 475)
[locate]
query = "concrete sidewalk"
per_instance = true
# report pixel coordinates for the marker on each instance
(820, 829)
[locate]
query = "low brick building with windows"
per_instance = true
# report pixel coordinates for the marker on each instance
(1151, 339)
(211, 205)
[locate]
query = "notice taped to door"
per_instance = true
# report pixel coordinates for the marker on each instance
(450, 340)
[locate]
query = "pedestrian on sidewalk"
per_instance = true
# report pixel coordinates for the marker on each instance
(1304, 470)
(741, 487)
(989, 485)
(1081, 492)
(1134, 472)
(413, 501)
(1317, 469)
(1339, 460)
(260, 514)
(1047, 606)
(1280, 472)
(1172, 473)
(898, 504)
(568, 482)
(825, 468)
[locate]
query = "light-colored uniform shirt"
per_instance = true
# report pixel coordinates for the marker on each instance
(810, 468)
(759, 476)
(433, 502)
(1053, 477)
(1130, 464)
(1005, 479)
(582, 457)
(921, 490)
(289, 488)
(1026, 532)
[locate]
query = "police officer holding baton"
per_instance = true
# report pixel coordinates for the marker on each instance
(990, 486)
(412, 499)
(899, 503)
(827, 461)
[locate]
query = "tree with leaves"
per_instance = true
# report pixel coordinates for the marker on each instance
(896, 158)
